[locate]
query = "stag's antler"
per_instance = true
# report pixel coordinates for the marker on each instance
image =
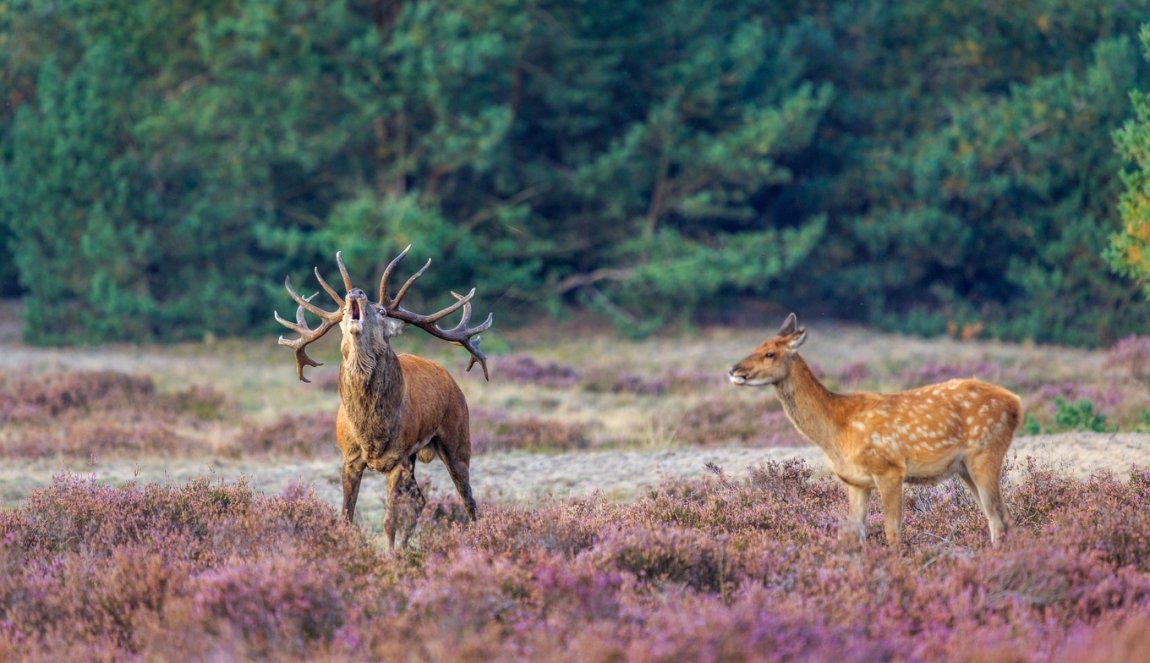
(466, 336)
(308, 335)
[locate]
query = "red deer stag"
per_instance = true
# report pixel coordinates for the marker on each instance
(393, 408)
(878, 441)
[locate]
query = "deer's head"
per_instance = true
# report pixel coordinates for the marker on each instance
(368, 325)
(771, 362)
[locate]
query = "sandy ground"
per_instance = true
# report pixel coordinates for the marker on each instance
(525, 477)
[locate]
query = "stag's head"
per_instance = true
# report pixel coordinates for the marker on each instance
(367, 326)
(771, 361)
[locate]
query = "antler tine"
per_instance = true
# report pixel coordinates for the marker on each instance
(342, 271)
(308, 335)
(466, 336)
(461, 334)
(463, 321)
(330, 290)
(305, 302)
(300, 324)
(472, 344)
(407, 284)
(384, 300)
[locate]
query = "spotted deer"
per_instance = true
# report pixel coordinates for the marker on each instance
(393, 409)
(879, 441)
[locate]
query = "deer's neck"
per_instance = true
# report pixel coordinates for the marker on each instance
(371, 389)
(811, 407)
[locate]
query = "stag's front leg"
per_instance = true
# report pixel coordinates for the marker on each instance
(352, 475)
(405, 501)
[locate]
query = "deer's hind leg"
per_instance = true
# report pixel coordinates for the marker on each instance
(982, 474)
(857, 497)
(889, 486)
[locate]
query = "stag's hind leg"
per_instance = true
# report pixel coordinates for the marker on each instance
(457, 458)
(405, 501)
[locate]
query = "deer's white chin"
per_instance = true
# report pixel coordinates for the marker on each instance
(755, 382)
(353, 326)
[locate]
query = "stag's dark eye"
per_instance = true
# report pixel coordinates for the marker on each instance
(769, 355)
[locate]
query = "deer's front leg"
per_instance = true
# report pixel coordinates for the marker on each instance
(405, 501)
(352, 475)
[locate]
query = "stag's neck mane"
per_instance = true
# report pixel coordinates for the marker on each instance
(371, 388)
(817, 412)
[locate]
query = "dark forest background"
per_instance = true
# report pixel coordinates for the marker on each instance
(919, 166)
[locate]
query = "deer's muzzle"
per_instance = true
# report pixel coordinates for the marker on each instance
(356, 300)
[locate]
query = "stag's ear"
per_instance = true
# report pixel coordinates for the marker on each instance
(789, 326)
(798, 340)
(392, 327)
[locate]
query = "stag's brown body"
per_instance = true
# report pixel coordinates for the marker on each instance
(387, 418)
(879, 441)
(394, 409)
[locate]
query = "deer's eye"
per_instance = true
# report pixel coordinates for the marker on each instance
(769, 355)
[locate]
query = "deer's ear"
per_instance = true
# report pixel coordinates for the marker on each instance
(798, 340)
(392, 327)
(789, 325)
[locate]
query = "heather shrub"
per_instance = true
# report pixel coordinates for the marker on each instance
(680, 556)
(496, 430)
(604, 381)
(1111, 518)
(931, 372)
(1123, 635)
(722, 420)
(750, 627)
(554, 526)
(102, 413)
(687, 381)
(853, 375)
(278, 605)
(309, 435)
(102, 567)
(54, 394)
(199, 402)
(1038, 494)
(1131, 354)
(524, 369)
(95, 435)
(711, 569)
(1112, 404)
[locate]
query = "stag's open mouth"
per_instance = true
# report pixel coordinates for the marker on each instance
(353, 315)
